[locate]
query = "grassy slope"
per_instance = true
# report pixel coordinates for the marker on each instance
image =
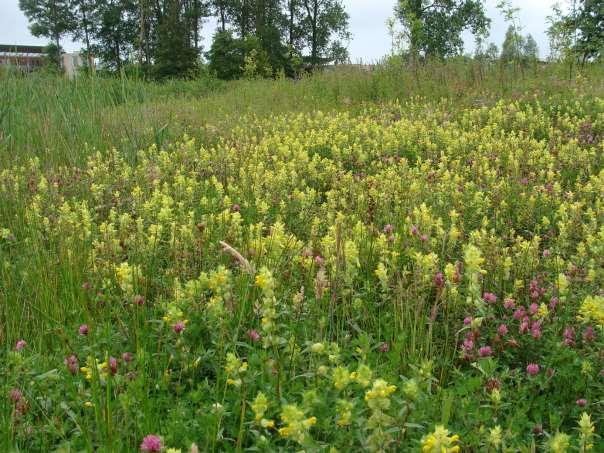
(63, 122)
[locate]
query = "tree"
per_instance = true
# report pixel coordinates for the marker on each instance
(260, 30)
(326, 26)
(240, 15)
(52, 54)
(219, 8)
(175, 55)
(490, 54)
(256, 62)
(52, 19)
(590, 30)
(513, 46)
(226, 56)
(433, 28)
(115, 31)
(579, 34)
(82, 26)
(269, 27)
(147, 27)
(295, 31)
(195, 12)
(530, 51)
(560, 35)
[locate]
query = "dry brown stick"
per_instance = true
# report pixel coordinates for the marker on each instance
(243, 263)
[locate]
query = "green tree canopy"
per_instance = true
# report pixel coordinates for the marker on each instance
(326, 27)
(226, 56)
(433, 28)
(590, 27)
(115, 31)
(51, 19)
(530, 51)
(513, 45)
(579, 31)
(175, 55)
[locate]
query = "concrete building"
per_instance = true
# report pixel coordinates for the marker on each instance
(30, 58)
(71, 63)
(27, 58)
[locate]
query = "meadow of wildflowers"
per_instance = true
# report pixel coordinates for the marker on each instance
(401, 277)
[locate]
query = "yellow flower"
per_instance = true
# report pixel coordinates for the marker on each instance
(382, 274)
(296, 424)
(495, 436)
(362, 375)
(439, 441)
(592, 309)
(344, 412)
(496, 396)
(411, 389)
(259, 406)
(4, 233)
(322, 370)
(378, 398)
(127, 276)
(317, 348)
(234, 365)
(311, 421)
(586, 426)
(562, 285)
(266, 282)
(87, 372)
(268, 424)
(234, 382)
(341, 377)
(586, 432)
(559, 443)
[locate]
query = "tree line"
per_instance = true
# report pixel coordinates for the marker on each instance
(267, 38)
(425, 29)
(163, 38)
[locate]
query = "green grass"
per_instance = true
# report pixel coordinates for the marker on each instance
(375, 206)
(62, 121)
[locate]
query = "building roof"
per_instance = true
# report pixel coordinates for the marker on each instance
(15, 49)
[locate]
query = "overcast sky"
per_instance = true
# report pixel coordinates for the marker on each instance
(370, 39)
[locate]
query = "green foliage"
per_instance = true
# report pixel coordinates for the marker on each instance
(434, 29)
(530, 51)
(274, 265)
(115, 32)
(590, 26)
(577, 34)
(560, 35)
(163, 37)
(226, 56)
(518, 49)
(49, 18)
(52, 57)
(256, 63)
(489, 55)
(175, 55)
(513, 46)
(326, 27)
(83, 23)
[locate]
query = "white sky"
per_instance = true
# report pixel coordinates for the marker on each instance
(370, 39)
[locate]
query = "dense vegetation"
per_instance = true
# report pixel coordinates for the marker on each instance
(404, 259)
(162, 39)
